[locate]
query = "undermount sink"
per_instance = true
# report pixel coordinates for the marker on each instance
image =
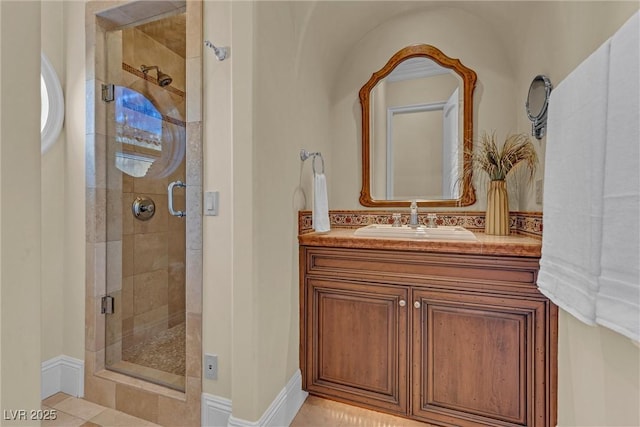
(442, 232)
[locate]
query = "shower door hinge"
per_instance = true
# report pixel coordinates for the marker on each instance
(106, 305)
(108, 92)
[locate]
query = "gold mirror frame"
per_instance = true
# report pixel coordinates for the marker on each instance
(468, 195)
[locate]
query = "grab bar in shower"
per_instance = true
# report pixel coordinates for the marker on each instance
(170, 198)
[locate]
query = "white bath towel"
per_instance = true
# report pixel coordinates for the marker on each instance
(574, 176)
(320, 213)
(618, 301)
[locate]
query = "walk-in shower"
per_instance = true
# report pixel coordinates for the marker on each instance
(144, 265)
(145, 122)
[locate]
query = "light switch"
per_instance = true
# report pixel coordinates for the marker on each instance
(211, 199)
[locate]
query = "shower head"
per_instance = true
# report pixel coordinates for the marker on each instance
(163, 79)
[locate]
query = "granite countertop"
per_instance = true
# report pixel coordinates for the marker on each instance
(513, 245)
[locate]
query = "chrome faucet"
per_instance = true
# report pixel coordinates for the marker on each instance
(413, 216)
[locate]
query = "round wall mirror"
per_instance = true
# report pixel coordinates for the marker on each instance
(537, 103)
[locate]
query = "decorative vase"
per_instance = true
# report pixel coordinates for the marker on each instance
(497, 218)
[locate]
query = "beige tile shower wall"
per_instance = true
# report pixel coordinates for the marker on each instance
(153, 251)
(153, 257)
(140, 49)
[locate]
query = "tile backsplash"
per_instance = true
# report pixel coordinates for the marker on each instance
(528, 223)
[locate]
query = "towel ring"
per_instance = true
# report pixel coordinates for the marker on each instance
(304, 155)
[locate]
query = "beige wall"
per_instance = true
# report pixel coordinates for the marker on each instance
(598, 376)
(250, 251)
(573, 30)
(459, 34)
(20, 229)
(74, 82)
(598, 372)
(218, 176)
(278, 92)
(257, 316)
(244, 334)
(504, 70)
(52, 215)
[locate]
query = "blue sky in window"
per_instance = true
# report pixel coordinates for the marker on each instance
(139, 119)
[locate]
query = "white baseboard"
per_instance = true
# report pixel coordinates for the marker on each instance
(66, 374)
(62, 373)
(216, 411)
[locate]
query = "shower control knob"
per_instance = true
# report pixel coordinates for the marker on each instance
(143, 208)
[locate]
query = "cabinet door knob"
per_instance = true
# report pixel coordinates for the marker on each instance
(416, 304)
(402, 303)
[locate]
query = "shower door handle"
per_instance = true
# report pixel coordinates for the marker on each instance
(170, 198)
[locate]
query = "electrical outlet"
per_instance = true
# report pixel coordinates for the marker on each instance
(211, 366)
(539, 191)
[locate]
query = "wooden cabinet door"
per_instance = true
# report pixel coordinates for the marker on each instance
(479, 360)
(356, 343)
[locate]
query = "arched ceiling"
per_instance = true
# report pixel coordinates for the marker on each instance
(349, 21)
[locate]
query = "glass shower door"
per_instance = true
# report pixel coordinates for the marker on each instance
(146, 139)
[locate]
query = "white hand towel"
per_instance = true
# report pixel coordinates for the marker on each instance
(574, 176)
(320, 213)
(618, 302)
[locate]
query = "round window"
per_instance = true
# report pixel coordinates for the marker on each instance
(150, 144)
(52, 104)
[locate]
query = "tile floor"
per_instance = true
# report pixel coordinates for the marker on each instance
(318, 412)
(315, 412)
(74, 412)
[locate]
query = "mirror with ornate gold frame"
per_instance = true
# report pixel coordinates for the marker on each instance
(420, 135)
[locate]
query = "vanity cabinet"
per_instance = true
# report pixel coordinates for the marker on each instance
(449, 339)
(357, 341)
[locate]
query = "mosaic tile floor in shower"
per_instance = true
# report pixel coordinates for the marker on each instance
(164, 352)
(160, 359)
